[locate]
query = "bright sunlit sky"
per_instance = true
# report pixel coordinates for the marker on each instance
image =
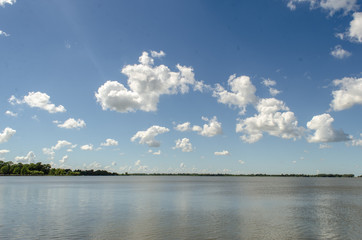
(267, 86)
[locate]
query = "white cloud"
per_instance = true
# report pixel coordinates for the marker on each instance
(87, 147)
(38, 100)
(241, 162)
(71, 123)
(332, 6)
(60, 144)
(274, 91)
(183, 127)
(158, 54)
(182, 165)
(183, 144)
(10, 2)
(355, 27)
(146, 84)
(269, 83)
(242, 93)
(93, 165)
(349, 94)
(324, 146)
(64, 159)
(148, 136)
(357, 142)
(10, 113)
(114, 163)
(2, 33)
(157, 153)
(4, 151)
(6, 134)
(222, 153)
(274, 118)
(29, 158)
(209, 130)
(140, 166)
(340, 53)
(109, 142)
(324, 132)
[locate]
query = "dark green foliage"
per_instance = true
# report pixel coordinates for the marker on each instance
(39, 169)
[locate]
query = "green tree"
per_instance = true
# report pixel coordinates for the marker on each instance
(5, 169)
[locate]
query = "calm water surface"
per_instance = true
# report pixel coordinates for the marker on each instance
(180, 208)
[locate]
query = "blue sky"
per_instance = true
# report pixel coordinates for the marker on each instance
(182, 86)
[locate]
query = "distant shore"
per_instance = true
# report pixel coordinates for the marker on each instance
(40, 169)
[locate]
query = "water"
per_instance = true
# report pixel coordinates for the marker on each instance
(165, 207)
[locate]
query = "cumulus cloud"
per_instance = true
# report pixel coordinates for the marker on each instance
(274, 118)
(211, 129)
(109, 142)
(29, 158)
(4, 151)
(38, 100)
(269, 83)
(6, 134)
(139, 166)
(11, 114)
(222, 153)
(183, 127)
(324, 132)
(10, 2)
(2, 33)
(148, 136)
(146, 83)
(349, 94)
(357, 142)
(340, 53)
(64, 159)
(183, 144)
(71, 123)
(242, 93)
(355, 27)
(60, 144)
(332, 6)
(158, 54)
(241, 162)
(87, 147)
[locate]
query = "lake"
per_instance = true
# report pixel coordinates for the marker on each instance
(185, 207)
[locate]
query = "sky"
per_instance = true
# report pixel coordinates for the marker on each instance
(239, 87)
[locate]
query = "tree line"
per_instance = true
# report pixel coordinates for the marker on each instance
(39, 169)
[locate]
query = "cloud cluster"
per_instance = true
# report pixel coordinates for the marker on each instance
(211, 129)
(324, 132)
(270, 83)
(274, 118)
(60, 144)
(183, 144)
(11, 114)
(109, 142)
(148, 136)
(38, 100)
(349, 93)
(146, 84)
(71, 123)
(242, 93)
(332, 6)
(340, 53)
(29, 158)
(6, 134)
